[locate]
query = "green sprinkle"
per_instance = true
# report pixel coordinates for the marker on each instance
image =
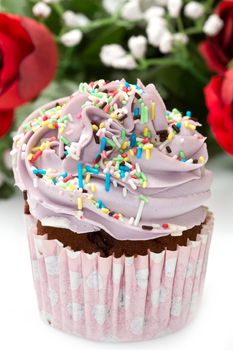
(181, 154)
(111, 143)
(123, 134)
(65, 140)
(144, 198)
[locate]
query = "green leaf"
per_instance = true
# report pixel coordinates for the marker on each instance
(21, 7)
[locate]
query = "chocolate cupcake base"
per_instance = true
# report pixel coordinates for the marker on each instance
(103, 243)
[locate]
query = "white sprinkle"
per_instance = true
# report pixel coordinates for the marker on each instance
(114, 183)
(24, 146)
(35, 182)
(132, 184)
(128, 165)
(133, 172)
(131, 220)
(189, 161)
(23, 155)
(175, 156)
(156, 226)
(138, 167)
(164, 144)
(182, 140)
(139, 213)
(124, 192)
(116, 141)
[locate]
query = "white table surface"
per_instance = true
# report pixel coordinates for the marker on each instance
(21, 326)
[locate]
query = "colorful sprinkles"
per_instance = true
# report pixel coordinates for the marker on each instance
(119, 154)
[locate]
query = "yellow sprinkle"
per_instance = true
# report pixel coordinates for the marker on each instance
(105, 210)
(117, 176)
(148, 146)
(90, 197)
(30, 156)
(113, 116)
(88, 178)
(170, 136)
(152, 111)
(131, 152)
(93, 188)
(190, 126)
(95, 127)
(126, 159)
(36, 149)
(147, 153)
(201, 160)
(101, 125)
(124, 145)
(145, 184)
(61, 130)
(72, 187)
(145, 132)
(80, 203)
(46, 122)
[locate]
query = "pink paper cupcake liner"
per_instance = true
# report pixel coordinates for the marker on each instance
(118, 299)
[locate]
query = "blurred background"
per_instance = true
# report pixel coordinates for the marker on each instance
(184, 47)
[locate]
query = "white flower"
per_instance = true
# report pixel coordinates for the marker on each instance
(213, 25)
(154, 30)
(72, 38)
(114, 55)
(194, 9)
(125, 62)
(153, 11)
(110, 6)
(41, 10)
(132, 11)
(111, 52)
(160, 2)
(52, 1)
(180, 38)
(137, 46)
(166, 42)
(174, 7)
(73, 19)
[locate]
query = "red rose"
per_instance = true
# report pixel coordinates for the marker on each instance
(219, 100)
(28, 60)
(218, 50)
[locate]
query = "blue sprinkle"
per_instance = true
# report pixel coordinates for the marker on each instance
(80, 175)
(54, 180)
(188, 113)
(139, 152)
(100, 204)
(183, 160)
(92, 170)
(65, 174)
(133, 140)
(37, 171)
(107, 182)
(136, 112)
(178, 125)
(137, 87)
(127, 84)
(103, 144)
(124, 168)
(122, 174)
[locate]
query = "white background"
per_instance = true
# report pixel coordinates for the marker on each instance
(21, 326)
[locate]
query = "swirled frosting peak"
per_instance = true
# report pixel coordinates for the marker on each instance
(111, 157)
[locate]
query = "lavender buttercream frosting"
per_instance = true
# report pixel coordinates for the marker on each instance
(111, 157)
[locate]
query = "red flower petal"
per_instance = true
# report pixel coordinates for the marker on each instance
(39, 68)
(6, 119)
(32, 57)
(15, 44)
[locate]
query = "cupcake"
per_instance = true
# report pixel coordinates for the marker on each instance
(114, 187)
